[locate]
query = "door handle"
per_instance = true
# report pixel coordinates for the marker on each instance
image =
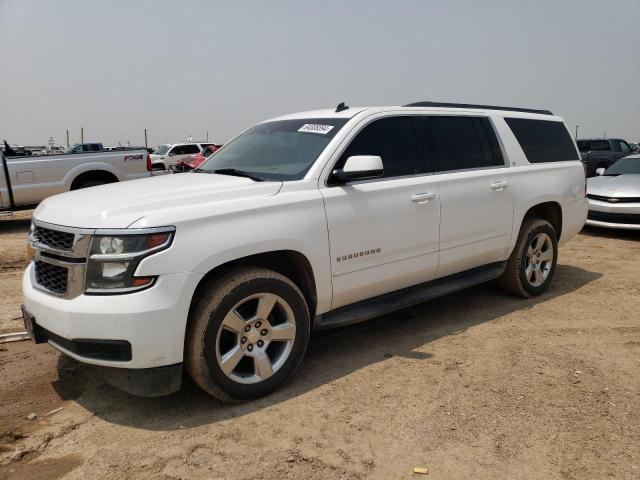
(499, 186)
(422, 197)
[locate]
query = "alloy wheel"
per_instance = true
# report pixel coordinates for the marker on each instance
(539, 259)
(255, 338)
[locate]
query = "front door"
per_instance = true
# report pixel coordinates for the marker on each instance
(383, 233)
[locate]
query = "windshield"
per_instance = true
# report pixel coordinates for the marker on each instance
(281, 150)
(70, 149)
(161, 150)
(624, 166)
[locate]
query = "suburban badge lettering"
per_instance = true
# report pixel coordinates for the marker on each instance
(363, 253)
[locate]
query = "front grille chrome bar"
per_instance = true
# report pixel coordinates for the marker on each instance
(74, 260)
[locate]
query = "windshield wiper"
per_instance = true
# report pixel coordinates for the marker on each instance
(237, 173)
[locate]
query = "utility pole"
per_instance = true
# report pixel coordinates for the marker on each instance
(207, 135)
(81, 134)
(577, 132)
(67, 137)
(145, 138)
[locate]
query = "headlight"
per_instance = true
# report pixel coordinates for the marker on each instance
(114, 258)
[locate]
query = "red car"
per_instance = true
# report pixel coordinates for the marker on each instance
(194, 161)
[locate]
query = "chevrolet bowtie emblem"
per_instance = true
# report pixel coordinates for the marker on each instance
(612, 200)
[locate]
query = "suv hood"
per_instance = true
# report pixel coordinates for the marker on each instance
(119, 205)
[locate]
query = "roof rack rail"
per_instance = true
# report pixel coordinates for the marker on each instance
(471, 105)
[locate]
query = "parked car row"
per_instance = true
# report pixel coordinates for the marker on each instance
(602, 152)
(165, 157)
(192, 162)
(26, 181)
(14, 150)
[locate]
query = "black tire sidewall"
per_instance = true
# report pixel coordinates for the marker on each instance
(544, 228)
(94, 183)
(239, 391)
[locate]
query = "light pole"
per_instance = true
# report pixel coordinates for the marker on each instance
(577, 132)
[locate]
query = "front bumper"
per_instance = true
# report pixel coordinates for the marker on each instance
(151, 321)
(622, 215)
(144, 382)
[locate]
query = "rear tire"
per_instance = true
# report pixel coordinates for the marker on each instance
(247, 334)
(533, 261)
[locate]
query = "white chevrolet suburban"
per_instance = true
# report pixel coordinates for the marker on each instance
(307, 221)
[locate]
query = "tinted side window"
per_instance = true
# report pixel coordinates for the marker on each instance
(584, 145)
(189, 149)
(391, 138)
(620, 146)
(460, 143)
(543, 140)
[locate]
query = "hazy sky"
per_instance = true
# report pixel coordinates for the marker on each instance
(180, 68)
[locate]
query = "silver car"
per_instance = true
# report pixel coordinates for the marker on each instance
(614, 195)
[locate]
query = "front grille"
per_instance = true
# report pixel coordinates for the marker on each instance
(629, 218)
(54, 238)
(615, 199)
(51, 277)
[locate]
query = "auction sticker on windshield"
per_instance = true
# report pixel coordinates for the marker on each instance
(315, 128)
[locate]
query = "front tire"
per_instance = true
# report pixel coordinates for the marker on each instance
(533, 261)
(247, 334)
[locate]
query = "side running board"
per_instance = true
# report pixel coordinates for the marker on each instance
(407, 297)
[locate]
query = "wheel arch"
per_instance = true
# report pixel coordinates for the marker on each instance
(92, 175)
(290, 263)
(549, 211)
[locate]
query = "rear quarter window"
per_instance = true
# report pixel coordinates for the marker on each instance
(542, 140)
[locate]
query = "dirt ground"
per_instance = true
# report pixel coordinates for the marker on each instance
(473, 385)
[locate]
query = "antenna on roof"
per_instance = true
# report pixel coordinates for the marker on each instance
(341, 106)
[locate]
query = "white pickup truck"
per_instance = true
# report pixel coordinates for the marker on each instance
(307, 221)
(27, 180)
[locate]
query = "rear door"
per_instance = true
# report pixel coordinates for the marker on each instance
(383, 233)
(476, 203)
